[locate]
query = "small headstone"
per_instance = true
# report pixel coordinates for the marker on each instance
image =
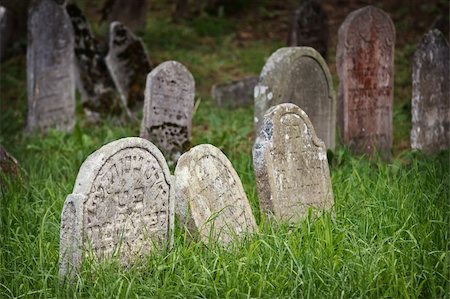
(238, 93)
(98, 92)
(168, 107)
(121, 205)
(291, 166)
(210, 199)
(431, 94)
(128, 64)
(365, 65)
(50, 68)
(298, 75)
(309, 27)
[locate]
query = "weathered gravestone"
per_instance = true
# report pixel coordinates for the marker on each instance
(129, 65)
(309, 27)
(291, 166)
(431, 94)
(121, 205)
(50, 68)
(365, 65)
(168, 106)
(299, 75)
(238, 93)
(94, 81)
(210, 199)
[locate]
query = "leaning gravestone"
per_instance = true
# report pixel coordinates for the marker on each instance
(238, 93)
(298, 75)
(50, 69)
(365, 65)
(168, 107)
(309, 27)
(291, 166)
(210, 199)
(121, 205)
(129, 65)
(431, 94)
(94, 81)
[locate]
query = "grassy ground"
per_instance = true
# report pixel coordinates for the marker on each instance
(388, 235)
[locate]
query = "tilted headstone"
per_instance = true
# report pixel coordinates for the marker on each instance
(299, 75)
(431, 94)
(290, 165)
(365, 65)
(50, 68)
(168, 107)
(309, 27)
(238, 93)
(121, 205)
(128, 64)
(94, 81)
(210, 198)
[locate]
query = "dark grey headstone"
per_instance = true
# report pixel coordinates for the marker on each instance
(299, 75)
(309, 27)
(128, 64)
(238, 93)
(50, 68)
(431, 94)
(96, 86)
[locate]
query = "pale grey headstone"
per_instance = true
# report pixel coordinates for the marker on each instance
(298, 75)
(431, 94)
(121, 205)
(97, 89)
(365, 65)
(210, 198)
(128, 64)
(50, 68)
(168, 107)
(290, 165)
(237, 93)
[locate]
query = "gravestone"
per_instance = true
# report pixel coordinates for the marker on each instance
(430, 95)
(121, 205)
(168, 106)
(290, 165)
(50, 69)
(9, 167)
(309, 27)
(238, 93)
(94, 81)
(365, 65)
(128, 64)
(210, 199)
(299, 75)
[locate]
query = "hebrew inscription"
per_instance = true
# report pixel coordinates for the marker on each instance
(210, 196)
(169, 101)
(124, 201)
(290, 165)
(430, 100)
(365, 64)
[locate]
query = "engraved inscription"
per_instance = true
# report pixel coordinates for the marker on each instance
(127, 208)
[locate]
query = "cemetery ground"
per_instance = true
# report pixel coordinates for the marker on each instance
(387, 235)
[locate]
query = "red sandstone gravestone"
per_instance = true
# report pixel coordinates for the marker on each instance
(365, 65)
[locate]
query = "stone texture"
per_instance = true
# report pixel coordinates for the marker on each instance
(121, 204)
(430, 95)
(210, 199)
(50, 68)
(290, 165)
(299, 75)
(128, 64)
(365, 65)
(168, 106)
(309, 27)
(98, 92)
(238, 93)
